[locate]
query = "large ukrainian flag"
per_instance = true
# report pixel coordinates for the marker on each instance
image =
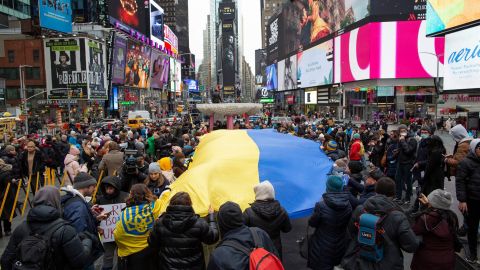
(229, 163)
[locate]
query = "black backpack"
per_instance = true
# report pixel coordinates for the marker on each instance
(35, 252)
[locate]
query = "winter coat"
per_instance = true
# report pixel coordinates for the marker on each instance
(118, 197)
(72, 167)
(330, 219)
(151, 146)
(377, 153)
(460, 154)
(271, 217)
(368, 192)
(434, 177)
(77, 212)
(112, 162)
(355, 152)
(62, 148)
(422, 154)
(336, 154)
(38, 164)
(178, 235)
(5, 178)
(157, 189)
(226, 257)
(69, 251)
(88, 160)
(467, 180)
(408, 149)
(399, 236)
(438, 245)
(50, 155)
(128, 180)
(391, 156)
(15, 162)
(355, 184)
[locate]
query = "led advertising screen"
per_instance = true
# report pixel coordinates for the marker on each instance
(287, 73)
(400, 10)
(172, 75)
(159, 70)
(118, 65)
(171, 40)
(227, 11)
(178, 74)
(274, 39)
(156, 23)
(192, 86)
(307, 21)
(97, 67)
(56, 15)
(315, 65)
(137, 70)
(66, 68)
(260, 65)
(388, 50)
(114, 98)
(129, 14)
(461, 60)
(272, 82)
(228, 58)
(443, 15)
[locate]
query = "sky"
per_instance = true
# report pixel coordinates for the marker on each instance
(250, 9)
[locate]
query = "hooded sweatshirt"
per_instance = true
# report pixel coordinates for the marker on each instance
(459, 133)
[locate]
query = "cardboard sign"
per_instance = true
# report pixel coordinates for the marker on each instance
(108, 225)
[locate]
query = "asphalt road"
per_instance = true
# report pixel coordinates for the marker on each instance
(292, 259)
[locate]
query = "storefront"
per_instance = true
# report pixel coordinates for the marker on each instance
(310, 100)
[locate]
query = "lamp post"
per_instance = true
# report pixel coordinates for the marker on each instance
(23, 93)
(436, 81)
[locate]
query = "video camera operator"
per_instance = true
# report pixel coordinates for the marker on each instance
(130, 173)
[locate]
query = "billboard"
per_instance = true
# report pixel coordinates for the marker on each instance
(129, 14)
(443, 15)
(274, 38)
(192, 85)
(272, 81)
(260, 65)
(227, 11)
(171, 40)
(399, 9)
(228, 58)
(97, 66)
(66, 68)
(287, 73)
(461, 60)
(306, 21)
(137, 70)
(387, 50)
(315, 65)
(56, 15)
(159, 70)
(156, 23)
(118, 65)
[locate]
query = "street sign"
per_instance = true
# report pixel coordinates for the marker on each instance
(266, 100)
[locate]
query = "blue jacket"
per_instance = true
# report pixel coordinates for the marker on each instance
(330, 219)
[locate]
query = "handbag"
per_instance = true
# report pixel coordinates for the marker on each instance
(304, 243)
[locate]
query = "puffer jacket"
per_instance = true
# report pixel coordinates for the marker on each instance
(408, 151)
(118, 197)
(72, 167)
(271, 217)
(178, 236)
(330, 219)
(467, 181)
(69, 251)
(399, 236)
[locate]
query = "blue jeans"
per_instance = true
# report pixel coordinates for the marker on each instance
(403, 177)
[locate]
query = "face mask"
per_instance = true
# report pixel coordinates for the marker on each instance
(404, 134)
(424, 136)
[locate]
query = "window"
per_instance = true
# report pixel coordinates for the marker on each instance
(9, 73)
(11, 56)
(36, 56)
(32, 73)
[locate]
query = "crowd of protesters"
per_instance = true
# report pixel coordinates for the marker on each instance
(396, 175)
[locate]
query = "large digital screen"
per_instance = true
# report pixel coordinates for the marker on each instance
(118, 65)
(315, 65)
(97, 67)
(274, 39)
(192, 85)
(228, 58)
(443, 15)
(137, 71)
(287, 73)
(308, 21)
(156, 23)
(56, 15)
(227, 11)
(388, 50)
(272, 81)
(130, 14)
(159, 70)
(461, 60)
(399, 9)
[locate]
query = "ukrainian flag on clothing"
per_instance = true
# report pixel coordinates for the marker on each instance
(228, 163)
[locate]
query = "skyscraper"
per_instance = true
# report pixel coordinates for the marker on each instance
(176, 17)
(268, 8)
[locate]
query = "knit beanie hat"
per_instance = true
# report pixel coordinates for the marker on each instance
(83, 180)
(331, 145)
(154, 168)
(74, 151)
(229, 217)
(440, 199)
(165, 164)
(334, 183)
(264, 191)
(356, 136)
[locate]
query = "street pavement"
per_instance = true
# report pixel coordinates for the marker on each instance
(291, 257)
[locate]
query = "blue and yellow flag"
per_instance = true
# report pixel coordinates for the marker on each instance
(229, 163)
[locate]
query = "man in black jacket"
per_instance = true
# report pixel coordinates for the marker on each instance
(232, 228)
(69, 250)
(468, 194)
(407, 147)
